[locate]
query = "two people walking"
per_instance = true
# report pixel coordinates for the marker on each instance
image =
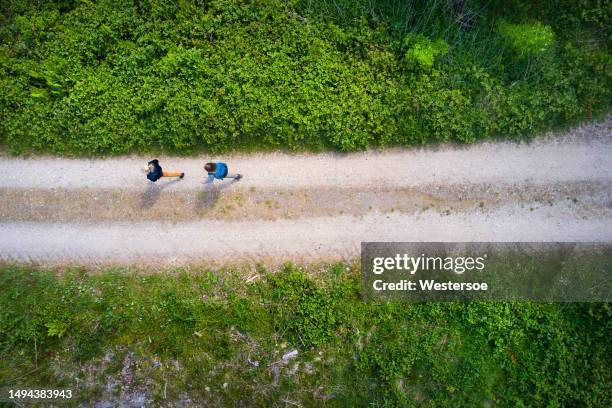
(216, 170)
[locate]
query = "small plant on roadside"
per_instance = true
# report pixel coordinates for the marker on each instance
(302, 310)
(530, 39)
(422, 52)
(56, 328)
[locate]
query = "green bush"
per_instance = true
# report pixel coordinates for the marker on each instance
(302, 310)
(114, 77)
(528, 39)
(421, 52)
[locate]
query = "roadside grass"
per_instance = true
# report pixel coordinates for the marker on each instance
(202, 336)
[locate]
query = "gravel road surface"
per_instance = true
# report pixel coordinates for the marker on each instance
(307, 206)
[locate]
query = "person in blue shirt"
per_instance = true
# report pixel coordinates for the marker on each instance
(220, 171)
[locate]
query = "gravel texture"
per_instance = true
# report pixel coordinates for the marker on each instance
(308, 206)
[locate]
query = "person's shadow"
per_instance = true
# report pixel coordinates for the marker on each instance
(208, 198)
(152, 193)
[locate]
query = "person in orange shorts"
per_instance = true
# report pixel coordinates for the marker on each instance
(155, 171)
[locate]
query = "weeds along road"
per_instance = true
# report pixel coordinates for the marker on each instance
(307, 206)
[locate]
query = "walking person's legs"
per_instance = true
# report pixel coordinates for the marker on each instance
(173, 174)
(235, 176)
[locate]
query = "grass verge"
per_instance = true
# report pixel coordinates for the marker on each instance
(204, 337)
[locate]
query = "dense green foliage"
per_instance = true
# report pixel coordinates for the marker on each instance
(193, 330)
(114, 76)
(527, 39)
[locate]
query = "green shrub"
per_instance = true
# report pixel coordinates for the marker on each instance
(528, 39)
(421, 52)
(56, 328)
(115, 77)
(303, 311)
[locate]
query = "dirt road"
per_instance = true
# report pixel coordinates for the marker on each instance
(308, 206)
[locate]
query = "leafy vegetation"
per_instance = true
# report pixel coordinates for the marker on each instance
(528, 39)
(209, 337)
(110, 77)
(421, 52)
